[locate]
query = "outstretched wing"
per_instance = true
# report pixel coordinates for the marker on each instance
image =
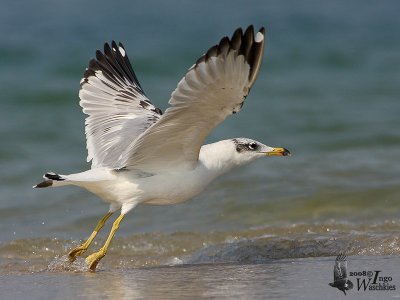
(212, 89)
(117, 108)
(340, 268)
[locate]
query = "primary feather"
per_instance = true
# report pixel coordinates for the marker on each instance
(117, 107)
(212, 89)
(123, 128)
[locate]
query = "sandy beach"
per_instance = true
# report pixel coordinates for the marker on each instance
(277, 279)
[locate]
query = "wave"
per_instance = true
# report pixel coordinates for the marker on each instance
(253, 246)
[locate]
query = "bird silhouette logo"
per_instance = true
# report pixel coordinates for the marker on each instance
(340, 280)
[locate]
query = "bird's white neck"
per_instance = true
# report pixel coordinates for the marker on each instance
(220, 157)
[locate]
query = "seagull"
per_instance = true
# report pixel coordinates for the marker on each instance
(340, 280)
(140, 155)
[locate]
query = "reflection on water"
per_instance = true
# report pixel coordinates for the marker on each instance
(274, 279)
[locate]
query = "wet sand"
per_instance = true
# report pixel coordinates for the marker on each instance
(306, 278)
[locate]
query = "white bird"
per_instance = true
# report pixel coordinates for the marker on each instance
(141, 156)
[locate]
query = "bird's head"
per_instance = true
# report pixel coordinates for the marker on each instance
(247, 150)
(227, 154)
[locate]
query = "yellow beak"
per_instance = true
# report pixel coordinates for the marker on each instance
(278, 152)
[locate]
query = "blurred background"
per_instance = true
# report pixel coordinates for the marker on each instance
(328, 90)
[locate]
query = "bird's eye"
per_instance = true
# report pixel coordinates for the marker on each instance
(252, 146)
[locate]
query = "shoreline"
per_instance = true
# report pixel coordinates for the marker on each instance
(305, 278)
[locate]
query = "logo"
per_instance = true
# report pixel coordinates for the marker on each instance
(340, 280)
(373, 281)
(366, 280)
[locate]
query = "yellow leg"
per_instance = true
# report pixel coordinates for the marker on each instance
(82, 248)
(93, 259)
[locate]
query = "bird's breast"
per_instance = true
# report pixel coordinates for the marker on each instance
(175, 187)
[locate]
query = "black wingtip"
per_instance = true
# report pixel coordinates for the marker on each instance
(121, 45)
(99, 55)
(107, 50)
(341, 257)
(236, 39)
(53, 176)
(256, 53)
(43, 184)
(247, 43)
(113, 61)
